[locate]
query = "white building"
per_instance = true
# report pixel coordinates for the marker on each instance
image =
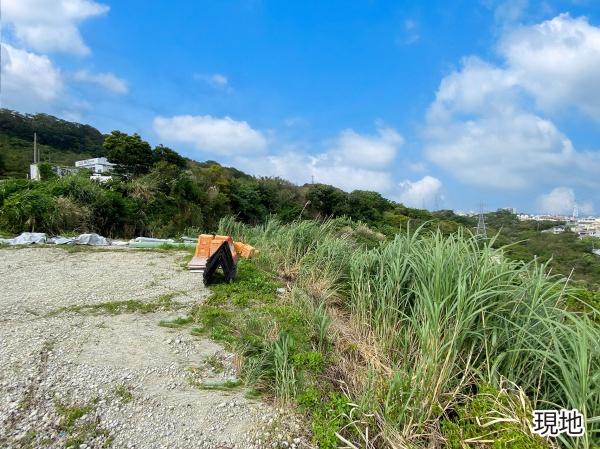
(98, 165)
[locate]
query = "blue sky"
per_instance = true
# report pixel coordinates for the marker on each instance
(435, 104)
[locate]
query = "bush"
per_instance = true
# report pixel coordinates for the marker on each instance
(29, 210)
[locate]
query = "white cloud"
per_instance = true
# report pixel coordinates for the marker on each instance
(47, 26)
(215, 80)
(411, 33)
(29, 81)
(421, 193)
(483, 126)
(509, 11)
(222, 136)
(477, 88)
(107, 81)
(352, 161)
(219, 80)
(302, 168)
(558, 62)
(506, 151)
(378, 151)
(561, 200)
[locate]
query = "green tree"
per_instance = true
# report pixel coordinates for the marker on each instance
(132, 155)
(166, 154)
(245, 200)
(46, 172)
(327, 201)
(367, 206)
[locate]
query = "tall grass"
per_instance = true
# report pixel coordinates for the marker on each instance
(312, 255)
(452, 312)
(443, 316)
(285, 378)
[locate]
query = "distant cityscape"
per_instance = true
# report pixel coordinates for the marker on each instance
(588, 226)
(583, 226)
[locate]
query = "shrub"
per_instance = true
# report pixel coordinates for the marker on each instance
(29, 210)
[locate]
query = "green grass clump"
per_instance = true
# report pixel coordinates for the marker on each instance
(163, 302)
(71, 413)
(176, 323)
(329, 413)
(78, 432)
(123, 393)
(312, 361)
(494, 419)
(450, 309)
(215, 363)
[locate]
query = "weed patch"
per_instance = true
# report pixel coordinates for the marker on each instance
(79, 424)
(329, 412)
(176, 323)
(163, 302)
(69, 414)
(215, 363)
(417, 321)
(495, 418)
(123, 393)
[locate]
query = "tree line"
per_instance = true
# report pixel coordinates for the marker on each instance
(158, 192)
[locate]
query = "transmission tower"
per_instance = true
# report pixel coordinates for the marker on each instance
(481, 232)
(575, 212)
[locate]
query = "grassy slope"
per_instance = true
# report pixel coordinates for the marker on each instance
(18, 154)
(414, 342)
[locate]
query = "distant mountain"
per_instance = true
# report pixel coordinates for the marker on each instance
(60, 142)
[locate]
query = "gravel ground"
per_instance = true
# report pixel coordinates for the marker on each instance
(82, 380)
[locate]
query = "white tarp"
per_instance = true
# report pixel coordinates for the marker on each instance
(91, 239)
(26, 238)
(59, 240)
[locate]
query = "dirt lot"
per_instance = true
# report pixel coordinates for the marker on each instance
(78, 376)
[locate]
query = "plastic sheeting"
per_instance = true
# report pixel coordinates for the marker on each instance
(58, 240)
(148, 242)
(26, 238)
(91, 239)
(151, 240)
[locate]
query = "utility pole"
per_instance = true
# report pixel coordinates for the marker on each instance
(34, 172)
(481, 231)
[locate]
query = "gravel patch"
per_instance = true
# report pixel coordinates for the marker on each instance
(97, 380)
